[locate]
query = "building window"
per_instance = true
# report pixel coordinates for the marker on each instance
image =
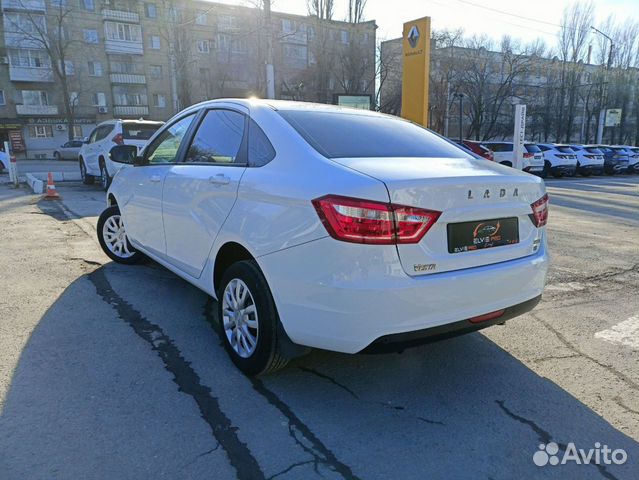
(35, 97)
(77, 132)
(99, 99)
(310, 31)
(155, 71)
(123, 32)
(128, 95)
(88, 4)
(227, 22)
(203, 46)
(40, 131)
(151, 10)
(58, 3)
(287, 25)
(126, 64)
(90, 36)
(154, 42)
(201, 18)
(159, 100)
(95, 69)
(331, 83)
(364, 38)
(29, 58)
(69, 68)
(2, 99)
(344, 36)
(24, 24)
(74, 99)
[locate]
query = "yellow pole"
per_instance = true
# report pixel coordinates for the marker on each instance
(416, 68)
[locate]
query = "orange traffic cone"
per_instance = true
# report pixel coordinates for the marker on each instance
(51, 194)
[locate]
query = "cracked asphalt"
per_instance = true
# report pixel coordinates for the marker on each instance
(109, 371)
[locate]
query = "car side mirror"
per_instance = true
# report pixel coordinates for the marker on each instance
(127, 154)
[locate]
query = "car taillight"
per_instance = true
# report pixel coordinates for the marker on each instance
(119, 139)
(540, 211)
(366, 221)
(528, 155)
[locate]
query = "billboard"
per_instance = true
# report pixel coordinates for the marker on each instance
(416, 65)
(362, 101)
(613, 117)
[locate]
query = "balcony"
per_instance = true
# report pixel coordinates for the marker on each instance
(120, 16)
(123, 47)
(129, 78)
(130, 110)
(37, 109)
(30, 74)
(30, 5)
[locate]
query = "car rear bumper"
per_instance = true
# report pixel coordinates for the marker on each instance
(399, 341)
(343, 297)
(563, 170)
(591, 168)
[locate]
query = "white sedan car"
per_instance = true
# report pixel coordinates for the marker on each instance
(319, 226)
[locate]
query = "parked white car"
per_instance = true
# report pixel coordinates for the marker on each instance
(532, 160)
(559, 160)
(94, 154)
(4, 161)
(68, 151)
(589, 160)
(335, 228)
(633, 159)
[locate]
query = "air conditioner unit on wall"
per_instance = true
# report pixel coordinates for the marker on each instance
(103, 109)
(60, 127)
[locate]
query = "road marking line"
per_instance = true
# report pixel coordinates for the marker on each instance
(624, 333)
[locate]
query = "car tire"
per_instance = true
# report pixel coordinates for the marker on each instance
(254, 344)
(86, 178)
(105, 179)
(56, 156)
(113, 239)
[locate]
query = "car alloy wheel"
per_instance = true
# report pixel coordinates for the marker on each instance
(115, 237)
(239, 318)
(104, 177)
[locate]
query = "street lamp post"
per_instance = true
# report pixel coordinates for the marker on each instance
(602, 113)
(461, 110)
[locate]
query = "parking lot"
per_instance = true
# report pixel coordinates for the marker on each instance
(109, 371)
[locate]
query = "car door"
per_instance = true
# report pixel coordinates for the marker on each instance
(142, 210)
(87, 152)
(200, 191)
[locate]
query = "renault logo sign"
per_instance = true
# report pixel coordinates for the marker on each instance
(413, 36)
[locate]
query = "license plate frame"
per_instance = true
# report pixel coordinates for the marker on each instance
(482, 234)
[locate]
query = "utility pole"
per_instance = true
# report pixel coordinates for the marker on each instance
(602, 113)
(270, 74)
(447, 114)
(461, 111)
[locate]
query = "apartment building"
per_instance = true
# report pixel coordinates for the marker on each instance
(133, 59)
(563, 99)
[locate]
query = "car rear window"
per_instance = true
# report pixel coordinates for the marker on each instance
(594, 150)
(139, 131)
(352, 135)
(532, 148)
(500, 147)
(564, 149)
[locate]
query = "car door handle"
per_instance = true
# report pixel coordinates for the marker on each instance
(155, 178)
(219, 179)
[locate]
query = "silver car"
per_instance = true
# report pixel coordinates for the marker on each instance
(68, 151)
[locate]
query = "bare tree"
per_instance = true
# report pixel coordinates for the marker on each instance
(52, 34)
(322, 9)
(356, 10)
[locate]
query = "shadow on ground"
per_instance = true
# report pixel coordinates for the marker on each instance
(125, 378)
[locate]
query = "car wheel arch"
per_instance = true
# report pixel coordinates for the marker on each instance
(111, 200)
(228, 254)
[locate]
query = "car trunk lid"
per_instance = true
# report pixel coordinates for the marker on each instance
(468, 193)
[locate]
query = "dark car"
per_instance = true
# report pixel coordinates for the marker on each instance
(615, 158)
(633, 161)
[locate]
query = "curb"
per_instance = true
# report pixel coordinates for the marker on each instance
(36, 184)
(58, 176)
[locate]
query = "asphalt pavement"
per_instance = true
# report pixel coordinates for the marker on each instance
(112, 371)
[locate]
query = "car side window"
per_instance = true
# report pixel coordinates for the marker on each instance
(218, 138)
(260, 149)
(103, 131)
(94, 133)
(164, 148)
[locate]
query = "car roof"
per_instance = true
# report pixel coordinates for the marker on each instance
(288, 105)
